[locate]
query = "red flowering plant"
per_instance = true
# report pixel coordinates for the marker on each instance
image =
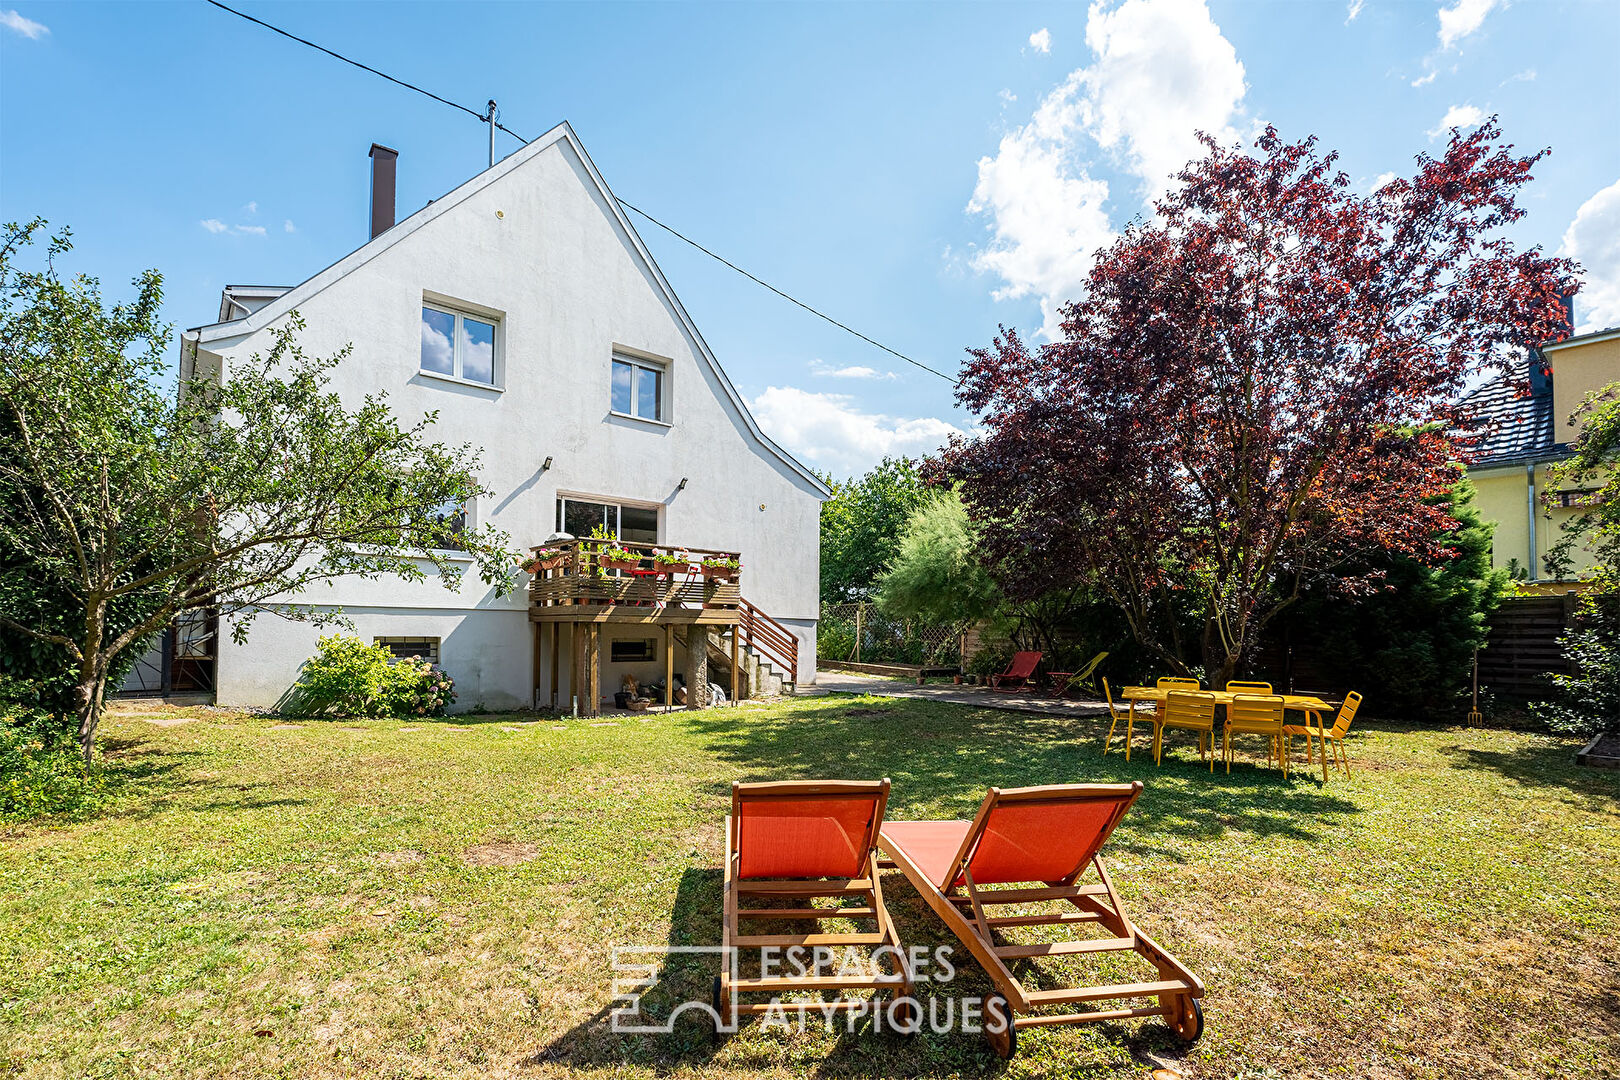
(1253, 386)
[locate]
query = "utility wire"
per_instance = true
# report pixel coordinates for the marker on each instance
(339, 56)
(485, 118)
(783, 295)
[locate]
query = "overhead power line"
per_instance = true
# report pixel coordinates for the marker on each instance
(490, 118)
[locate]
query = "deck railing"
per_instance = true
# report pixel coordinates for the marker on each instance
(578, 576)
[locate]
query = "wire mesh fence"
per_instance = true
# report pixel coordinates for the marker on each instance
(862, 633)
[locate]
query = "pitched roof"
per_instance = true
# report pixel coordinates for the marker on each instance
(1509, 425)
(562, 133)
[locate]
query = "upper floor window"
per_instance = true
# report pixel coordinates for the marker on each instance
(638, 388)
(459, 345)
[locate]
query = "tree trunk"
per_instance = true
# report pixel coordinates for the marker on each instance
(88, 696)
(91, 689)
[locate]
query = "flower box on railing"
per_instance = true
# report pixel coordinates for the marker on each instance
(720, 569)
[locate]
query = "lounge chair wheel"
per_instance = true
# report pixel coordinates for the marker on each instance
(722, 1007)
(1185, 1016)
(999, 1030)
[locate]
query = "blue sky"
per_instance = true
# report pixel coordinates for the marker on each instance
(922, 172)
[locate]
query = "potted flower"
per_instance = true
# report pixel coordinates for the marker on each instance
(720, 569)
(617, 558)
(544, 559)
(670, 563)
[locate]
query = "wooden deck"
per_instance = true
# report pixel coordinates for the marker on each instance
(581, 589)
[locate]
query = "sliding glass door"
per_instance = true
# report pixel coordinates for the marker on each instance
(633, 524)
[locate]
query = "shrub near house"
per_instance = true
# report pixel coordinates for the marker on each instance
(347, 677)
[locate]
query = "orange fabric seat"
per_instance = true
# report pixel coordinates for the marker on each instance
(932, 845)
(790, 837)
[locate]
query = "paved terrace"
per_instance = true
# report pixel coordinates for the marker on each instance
(843, 682)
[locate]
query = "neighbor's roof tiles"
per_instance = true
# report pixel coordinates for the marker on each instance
(1508, 425)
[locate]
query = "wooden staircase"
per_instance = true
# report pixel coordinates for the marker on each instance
(768, 653)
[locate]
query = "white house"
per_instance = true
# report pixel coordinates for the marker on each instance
(525, 310)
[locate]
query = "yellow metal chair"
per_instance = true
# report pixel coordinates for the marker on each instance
(1115, 715)
(1248, 688)
(1256, 714)
(1341, 725)
(1189, 710)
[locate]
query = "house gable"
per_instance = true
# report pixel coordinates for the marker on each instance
(220, 336)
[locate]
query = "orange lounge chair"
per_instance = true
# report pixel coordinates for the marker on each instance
(1020, 674)
(1048, 838)
(795, 841)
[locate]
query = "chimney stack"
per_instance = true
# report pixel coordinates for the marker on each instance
(382, 189)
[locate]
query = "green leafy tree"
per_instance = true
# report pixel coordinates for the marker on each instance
(861, 525)
(1410, 638)
(229, 497)
(937, 575)
(1587, 700)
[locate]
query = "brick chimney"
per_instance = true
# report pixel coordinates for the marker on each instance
(382, 189)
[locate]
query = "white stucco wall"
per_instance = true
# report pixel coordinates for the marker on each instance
(540, 246)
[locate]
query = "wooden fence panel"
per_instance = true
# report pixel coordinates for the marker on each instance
(1522, 649)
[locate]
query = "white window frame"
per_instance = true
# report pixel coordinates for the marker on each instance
(618, 505)
(649, 364)
(460, 313)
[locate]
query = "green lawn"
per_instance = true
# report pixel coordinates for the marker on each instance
(438, 899)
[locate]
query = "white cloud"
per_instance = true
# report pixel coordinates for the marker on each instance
(1007, 96)
(1354, 10)
(1425, 80)
(1593, 238)
(1460, 116)
(1527, 75)
(28, 28)
(1041, 40)
(821, 369)
(1161, 71)
(1462, 18)
(250, 209)
(288, 226)
(216, 226)
(1381, 179)
(832, 433)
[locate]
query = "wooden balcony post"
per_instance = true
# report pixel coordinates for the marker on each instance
(669, 666)
(734, 664)
(556, 629)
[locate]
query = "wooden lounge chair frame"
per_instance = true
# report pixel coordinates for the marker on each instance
(1020, 673)
(1061, 683)
(868, 888)
(965, 908)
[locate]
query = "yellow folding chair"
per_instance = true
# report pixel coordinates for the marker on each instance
(1341, 725)
(1189, 710)
(1248, 688)
(1115, 715)
(1256, 714)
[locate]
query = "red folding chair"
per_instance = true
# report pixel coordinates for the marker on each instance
(1019, 674)
(802, 840)
(1043, 841)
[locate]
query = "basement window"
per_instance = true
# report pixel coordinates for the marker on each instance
(633, 650)
(458, 345)
(422, 648)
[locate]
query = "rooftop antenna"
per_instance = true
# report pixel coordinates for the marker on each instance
(490, 116)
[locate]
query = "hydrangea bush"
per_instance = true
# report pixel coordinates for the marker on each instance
(348, 677)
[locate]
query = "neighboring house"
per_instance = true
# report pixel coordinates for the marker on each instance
(524, 309)
(1522, 435)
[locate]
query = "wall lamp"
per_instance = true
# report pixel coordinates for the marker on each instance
(682, 485)
(546, 464)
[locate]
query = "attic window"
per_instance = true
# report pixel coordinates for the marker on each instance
(638, 388)
(458, 345)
